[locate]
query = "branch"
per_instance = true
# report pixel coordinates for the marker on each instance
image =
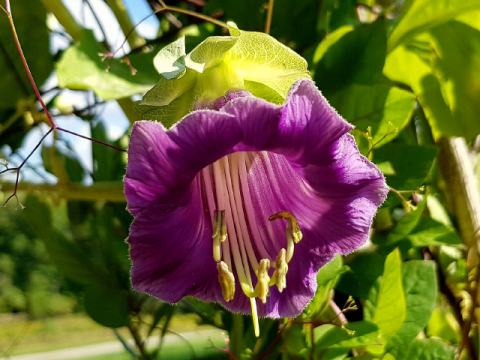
(24, 61)
(268, 23)
(464, 198)
(120, 11)
(101, 191)
(64, 17)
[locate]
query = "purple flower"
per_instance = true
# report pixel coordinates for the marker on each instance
(247, 200)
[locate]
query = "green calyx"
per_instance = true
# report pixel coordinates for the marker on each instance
(252, 61)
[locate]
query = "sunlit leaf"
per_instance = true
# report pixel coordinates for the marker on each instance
(420, 286)
(411, 163)
(350, 56)
(385, 109)
(421, 15)
(364, 333)
(430, 232)
(427, 349)
(406, 225)
(390, 310)
(442, 72)
(81, 68)
(444, 325)
(326, 279)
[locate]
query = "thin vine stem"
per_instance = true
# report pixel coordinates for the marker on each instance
(17, 169)
(8, 11)
(268, 23)
(163, 9)
(91, 139)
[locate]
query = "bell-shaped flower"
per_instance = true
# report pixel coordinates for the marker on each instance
(243, 201)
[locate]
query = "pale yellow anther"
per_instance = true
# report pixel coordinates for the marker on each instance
(281, 268)
(219, 233)
(226, 280)
(263, 279)
(292, 223)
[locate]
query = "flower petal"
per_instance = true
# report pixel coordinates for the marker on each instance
(162, 163)
(171, 252)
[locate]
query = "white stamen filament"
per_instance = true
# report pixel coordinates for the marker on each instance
(237, 238)
(221, 194)
(236, 225)
(249, 207)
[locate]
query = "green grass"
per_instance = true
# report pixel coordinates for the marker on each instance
(179, 350)
(20, 336)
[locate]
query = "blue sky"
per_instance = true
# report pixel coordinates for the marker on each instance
(112, 116)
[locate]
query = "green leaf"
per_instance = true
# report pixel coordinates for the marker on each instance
(384, 108)
(365, 269)
(67, 256)
(428, 349)
(81, 68)
(295, 22)
(418, 76)
(411, 163)
(390, 310)
(327, 278)
(74, 170)
(437, 211)
(335, 14)
(247, 14)
(421, 15)
(42, 221)
(294, 341)
(406, 225)
(430, 232)
(107, 306)
(457, 47)
(170, 61)
(442, 73)
(107, 163)
(444, 325)
(30, 23)
(365, 333)
(420, 286)
(350, 56)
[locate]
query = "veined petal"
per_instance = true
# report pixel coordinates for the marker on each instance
(168, 268)
(162, 163)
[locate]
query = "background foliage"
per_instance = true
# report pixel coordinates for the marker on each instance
(405, 73)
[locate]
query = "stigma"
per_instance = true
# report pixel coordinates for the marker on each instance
(242, 242)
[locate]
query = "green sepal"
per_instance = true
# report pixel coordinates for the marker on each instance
(259, 58)
(170, 61)
(252, 61)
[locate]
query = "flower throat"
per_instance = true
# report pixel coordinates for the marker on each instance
(239, 239)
